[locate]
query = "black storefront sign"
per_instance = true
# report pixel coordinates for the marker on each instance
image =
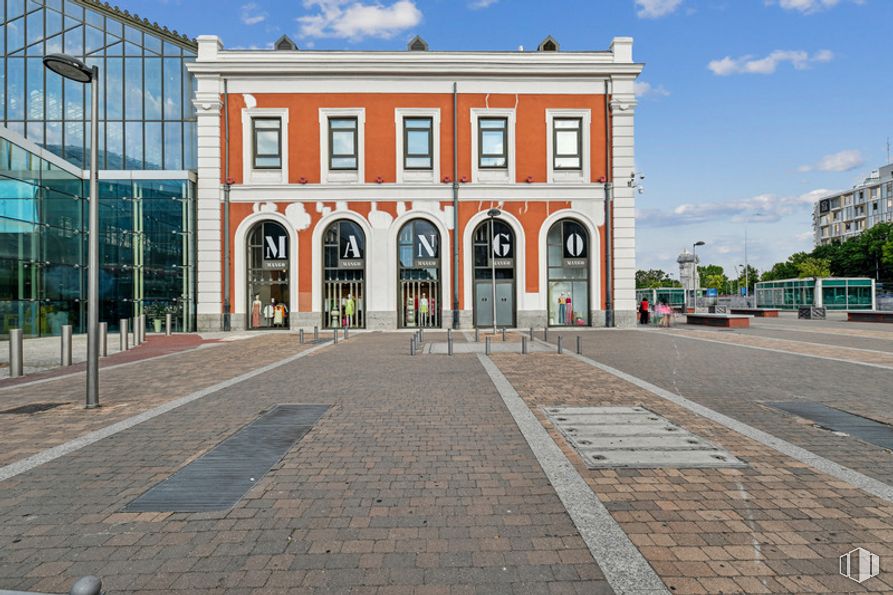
(275, 248)
(425, 251)
(575, 250)
(350, 252)
(503, 251)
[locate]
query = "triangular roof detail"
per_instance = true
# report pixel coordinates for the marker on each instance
(549, 44)
(417, 44)
(285, 43)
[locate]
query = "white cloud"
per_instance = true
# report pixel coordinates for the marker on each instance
(764, 208)
(251, 14)
(654, 9)
(808, 6)
(354, 20)
(644, 89)
(843, 161)
(479, 4)
(799, 59)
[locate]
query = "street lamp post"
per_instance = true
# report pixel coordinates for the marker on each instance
(694, 272)
(493, 214)
(75, 70)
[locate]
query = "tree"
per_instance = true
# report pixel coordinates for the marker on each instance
(814, 267)
(713, 277)
(654, 278)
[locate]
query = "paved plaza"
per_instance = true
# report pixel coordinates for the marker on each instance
(445, 474)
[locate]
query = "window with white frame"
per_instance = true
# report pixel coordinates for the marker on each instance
(418, 144)
(341, 145)
(567, 145)
(265, 145)
(493, 145)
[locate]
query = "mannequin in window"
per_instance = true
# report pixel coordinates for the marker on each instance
(568, 311)
(562, 300)
(256, 307)
(269, 311)
(423, 310)
(349, 306)
(279, 314)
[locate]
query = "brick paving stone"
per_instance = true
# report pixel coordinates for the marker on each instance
(732, 501)
(416, 477)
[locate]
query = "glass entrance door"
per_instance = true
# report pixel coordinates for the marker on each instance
(418, 286)
(344, 276)
(494, 271)
(268, 271)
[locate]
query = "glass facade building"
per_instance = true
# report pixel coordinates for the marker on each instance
(833, 294)
(147, 144)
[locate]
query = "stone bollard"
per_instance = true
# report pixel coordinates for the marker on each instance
(16, 353)
(560, 349)
(66, 345)
(103, 339)
(301, 336)
(122, 329)
(316, 333)
(168, 324)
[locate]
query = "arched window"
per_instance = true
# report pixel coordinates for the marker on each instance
(344, 275)
(418, 269)
(494, 274)
(568, 248)
(268, 273)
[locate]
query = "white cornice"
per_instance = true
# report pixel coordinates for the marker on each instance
(411, 192)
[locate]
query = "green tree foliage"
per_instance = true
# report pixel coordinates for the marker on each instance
(654, 278)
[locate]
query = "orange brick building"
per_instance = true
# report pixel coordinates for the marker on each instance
(415, 189)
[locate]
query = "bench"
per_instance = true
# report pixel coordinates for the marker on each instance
(758, 312)
(870, 316)
(723, 320)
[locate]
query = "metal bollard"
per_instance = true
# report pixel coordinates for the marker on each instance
(560, 349)
(16, 352)
(524, 345)
(122, 328)
(503, 334)
(545, 334)
(142, 328)
(579, 345)
(449, 334)
(421, 336)
(168, 324)
(486, 345)
(301, 336)
(412, 345)
(477, 335)
(449, 345)
(316, 333)
(531, 333)
(335, 335)
(345, 333)
(66, 345)
(103, 339)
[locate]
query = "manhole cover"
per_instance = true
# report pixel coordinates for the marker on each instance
(32, 408)
(835, 420)
(634, 437)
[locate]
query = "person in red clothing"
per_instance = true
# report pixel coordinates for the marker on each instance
(644, 311)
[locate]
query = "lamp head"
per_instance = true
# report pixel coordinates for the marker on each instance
(699, 243)
(494, 213)
(68, 67)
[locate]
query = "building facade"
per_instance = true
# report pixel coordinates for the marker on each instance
(414, 189)
(842, 215)
(147, 144)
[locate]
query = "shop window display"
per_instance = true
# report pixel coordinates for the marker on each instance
(568, 261)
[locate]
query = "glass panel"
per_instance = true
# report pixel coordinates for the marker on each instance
(14, 8)
(267, 162)
(74, 41)
(417, 142)
(35, 27)
(172, 90)
(133, 34)
(189, 158)
(133, 135)
(54, 45)
(567, 162)
(343, 123)
(566, 142)
(133, 81)
(572, 124)
(114, 145)
(418, 123)
(114, 27)
(35, 50)
(73, 9)
(492, 142)
(2, 88)
(173, 143)
(497, 123)
(342, 142)
(74, 143)
(418, 162)
(35, 89)
(153, 145)
(152, 43)
(171, 49)
(188, 107)
(15, 98)
(35, 132)
(153, 88)
(131, 49)
(267, 142)
(95, 40)
(74, 100)
(53, 140)
(15, 35)
(492, 161)
(113, 88)
(344, 163)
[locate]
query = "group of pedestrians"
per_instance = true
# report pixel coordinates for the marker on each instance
(663, 314)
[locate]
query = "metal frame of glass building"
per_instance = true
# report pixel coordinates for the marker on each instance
(672, 296)
(832, 293)
(146, 160)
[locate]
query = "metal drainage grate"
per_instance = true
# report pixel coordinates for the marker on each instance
(220, 477)
(32, 408)
(634, 437)
(835, 420)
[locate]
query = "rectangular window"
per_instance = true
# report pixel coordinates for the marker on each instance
(493, 143)
(418, 143)
(343, 144)
(567, 140)
(267, 143)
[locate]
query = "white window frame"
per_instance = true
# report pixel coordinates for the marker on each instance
(327, 176)
(493, 176)
(569, 176)
(414, 175)
(263, 176)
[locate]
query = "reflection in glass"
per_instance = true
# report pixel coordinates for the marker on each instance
(172, 89)
(173, 139)
(15, 89)
(133, 83)
(153, 145)
(133, 138)
(153, 88)
(35, 89)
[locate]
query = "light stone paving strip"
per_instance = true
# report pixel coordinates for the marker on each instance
(51, 454)
(854, 478)
(625, 568)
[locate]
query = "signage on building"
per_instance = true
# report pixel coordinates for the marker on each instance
(712, 292)
(576, 252)
(503, 251)
(824, 205)
(275, 248)
(425, 251)
(350, 253)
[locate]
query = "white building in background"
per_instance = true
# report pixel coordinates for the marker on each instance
(844, 214)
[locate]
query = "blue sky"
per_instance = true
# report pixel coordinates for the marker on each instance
(748, 108)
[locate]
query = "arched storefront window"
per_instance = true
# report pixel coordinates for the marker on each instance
(494, 274)
(344, 275)
(268, 270)
(418, 270)
(568, 254)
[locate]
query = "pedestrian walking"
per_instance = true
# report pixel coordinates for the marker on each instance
(644, 312)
